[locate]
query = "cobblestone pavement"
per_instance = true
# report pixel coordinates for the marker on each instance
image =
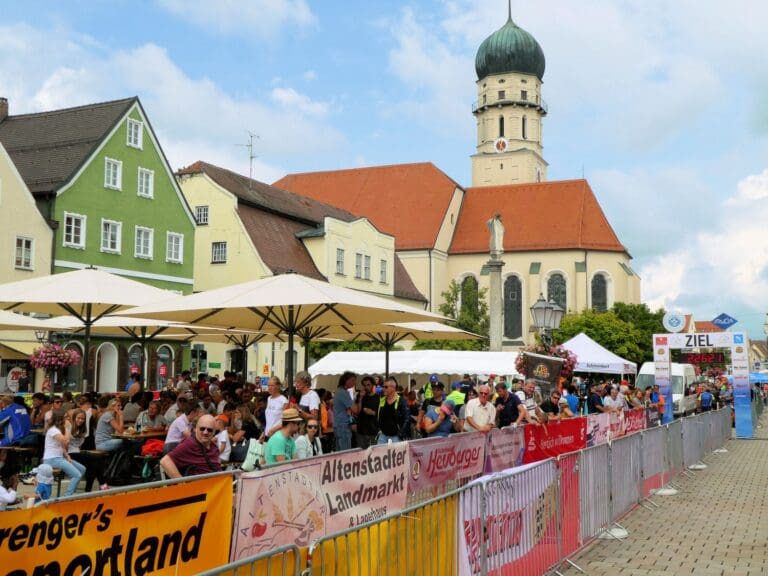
(717, 524)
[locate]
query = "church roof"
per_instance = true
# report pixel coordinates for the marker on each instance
(558, 215)
(408, 201)
(510, 49)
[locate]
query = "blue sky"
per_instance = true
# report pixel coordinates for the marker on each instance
(662, 105)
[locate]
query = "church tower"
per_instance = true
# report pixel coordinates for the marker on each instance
(509, 109)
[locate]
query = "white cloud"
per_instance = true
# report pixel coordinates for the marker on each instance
(255, 19)
(290, 99)
(309, 75)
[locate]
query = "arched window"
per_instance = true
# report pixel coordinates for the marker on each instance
(501, 126)
(556, 290)
(599, 293)
(513, 307)
(469, 296)
(525, 128)
(164, 368)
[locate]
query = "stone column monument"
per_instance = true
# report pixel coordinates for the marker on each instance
(495, 295)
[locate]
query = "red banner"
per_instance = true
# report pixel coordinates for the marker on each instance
(634, 420)
(555, 438)
(438, 460)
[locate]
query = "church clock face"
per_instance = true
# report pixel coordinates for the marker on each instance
(500, 145)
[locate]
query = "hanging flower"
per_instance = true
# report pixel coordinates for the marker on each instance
(557, 351)
(54, 356)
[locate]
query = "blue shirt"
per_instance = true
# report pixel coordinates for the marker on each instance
(16, 424)
(444, 429)
(43, 491)
(573, 403)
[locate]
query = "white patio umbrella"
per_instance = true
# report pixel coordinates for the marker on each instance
(285, 304)
(13, 321)
(86, 294)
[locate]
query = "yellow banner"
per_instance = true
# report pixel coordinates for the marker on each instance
(179, 529)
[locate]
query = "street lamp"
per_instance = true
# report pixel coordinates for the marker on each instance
(42, 336)
(546, 318)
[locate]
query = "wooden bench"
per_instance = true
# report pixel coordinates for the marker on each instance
(25, 453)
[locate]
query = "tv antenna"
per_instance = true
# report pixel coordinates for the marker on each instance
(251, 156)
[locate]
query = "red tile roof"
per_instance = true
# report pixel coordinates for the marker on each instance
(706, 326)
(540, 216)
(408, 201)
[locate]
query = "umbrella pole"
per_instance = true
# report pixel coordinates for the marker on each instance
(291, 330)
(305, 342)
(245, 363)
(87, 355)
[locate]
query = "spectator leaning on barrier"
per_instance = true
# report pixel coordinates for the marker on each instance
(480, 414)
(393, 416)
(550, 408)
(368, 407)
(197, 454)
(508, 407)
(573, 399)
(438, 393)
(281, 446)
(440, 421)
(594, 401)
(612, 402)
(531, 398)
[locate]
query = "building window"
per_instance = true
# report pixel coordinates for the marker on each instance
(218, 252)
(113, 174)
(25, 256)
(144, 241)
(502, 94)
(501, 126)
(358, 265)
(201, 215)
(513, 307)
(524, 95)
(556, 290)
(470, 303)
(111, 233)
(135, 133)
(174, 247)
(484, 98)
(599, 293)
(525, 128)
(383, 271)
(367, 267)
(340, 261)
(74, 230)
(146, 183)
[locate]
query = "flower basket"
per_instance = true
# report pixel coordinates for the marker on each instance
(53, 357)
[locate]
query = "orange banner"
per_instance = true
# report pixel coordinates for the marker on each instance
(178, 529)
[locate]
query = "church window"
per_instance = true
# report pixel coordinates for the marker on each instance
(470, 304)
(501, 81)
(513, 307)
(501, 126)
(556, 290)
(484, 98)
(502, 94)
(599, 293)
(523, 81)
(525, 128)
(524, 95)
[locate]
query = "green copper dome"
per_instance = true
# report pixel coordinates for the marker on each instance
(509, 49)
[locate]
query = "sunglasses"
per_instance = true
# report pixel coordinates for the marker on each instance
(311, 425)
(204, 429)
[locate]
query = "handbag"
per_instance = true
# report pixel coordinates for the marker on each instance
(255, 456)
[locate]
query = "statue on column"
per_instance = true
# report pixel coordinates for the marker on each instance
(496, 228)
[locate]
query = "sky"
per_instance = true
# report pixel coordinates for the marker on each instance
(661, 104)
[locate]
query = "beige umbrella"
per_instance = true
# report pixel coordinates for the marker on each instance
(390, 334)
(286, 304)
(13, 321)
(86, 294)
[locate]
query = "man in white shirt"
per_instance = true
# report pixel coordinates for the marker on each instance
(309, 403)
(276, 403)
(479, 413)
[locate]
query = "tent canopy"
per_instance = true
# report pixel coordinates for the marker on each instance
(417, 362)
(591, 357)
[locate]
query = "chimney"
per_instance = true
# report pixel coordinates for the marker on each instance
(3, 108)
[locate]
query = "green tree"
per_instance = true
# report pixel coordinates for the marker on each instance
(467, 305)
(647, 323)
(605, 328)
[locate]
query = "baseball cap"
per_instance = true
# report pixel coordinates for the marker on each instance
(44, 474)
(455, 385)
(448, 406)
(223, 417)
(433, 378)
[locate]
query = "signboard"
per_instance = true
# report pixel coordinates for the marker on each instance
(545, 370)
(673, 322)
(162, 370)
(265, 370)
(436, 461)
(214, 364)
(724, 321)
(164, 530)
(555, 438)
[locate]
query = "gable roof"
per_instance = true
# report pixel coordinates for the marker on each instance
(707, 326)
(49, 147)
(408, 201)
(540, 216)
(276, 220)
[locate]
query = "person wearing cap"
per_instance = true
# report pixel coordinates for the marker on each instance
(440, 421)
(438, 395)
(222, 438)
(457, 396)
(427, 391)
(197, 454)
(281, 446)
(43, 482)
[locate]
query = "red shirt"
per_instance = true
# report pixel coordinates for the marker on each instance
(189, 457)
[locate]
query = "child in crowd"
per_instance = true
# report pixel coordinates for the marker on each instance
(43, 482)
(10, 481)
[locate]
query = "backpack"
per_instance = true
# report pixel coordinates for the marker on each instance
(119, 470)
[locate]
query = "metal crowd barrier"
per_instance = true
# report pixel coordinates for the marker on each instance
(691, 445)
(653, 448)
(625, 468)
(278, 562)
(594, 487)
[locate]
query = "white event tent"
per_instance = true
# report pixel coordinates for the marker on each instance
(591, 357)
(450, 362)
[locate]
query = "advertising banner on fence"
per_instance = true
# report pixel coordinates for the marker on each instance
(634, 420)
(598, 426)
(165, 530)
(651, 417)
(504, 449)
(439, 460)
(517, 523)
(305, 500)
(555, 438)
